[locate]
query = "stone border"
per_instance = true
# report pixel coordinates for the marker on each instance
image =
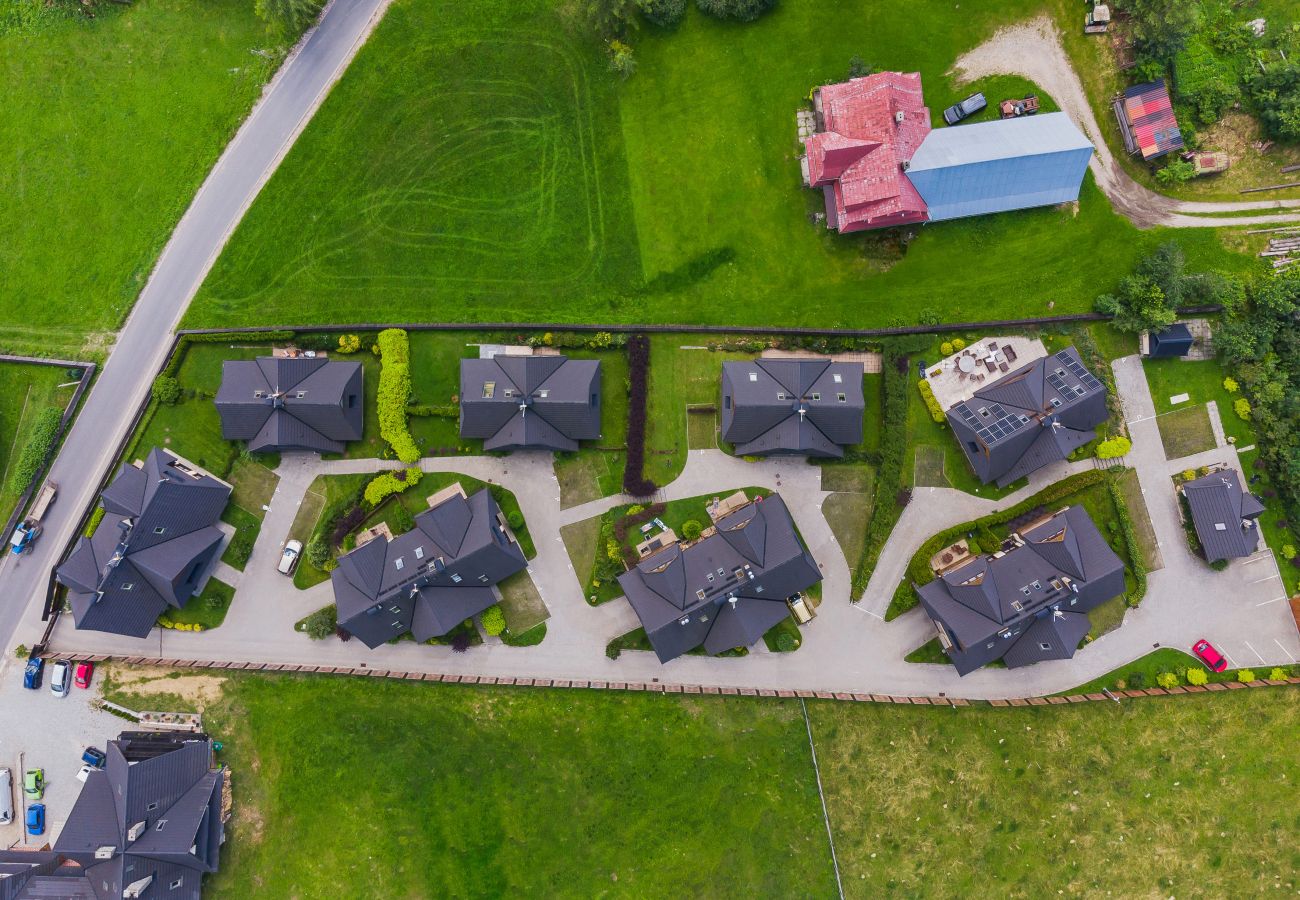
(668, 687)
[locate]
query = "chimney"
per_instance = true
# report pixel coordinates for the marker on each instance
(898, 117)
(134, 832)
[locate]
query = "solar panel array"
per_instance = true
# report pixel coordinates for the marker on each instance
(996, 425)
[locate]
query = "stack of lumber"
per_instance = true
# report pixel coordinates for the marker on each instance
(1284, 249)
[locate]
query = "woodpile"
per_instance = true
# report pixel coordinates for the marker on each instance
(1284, 250)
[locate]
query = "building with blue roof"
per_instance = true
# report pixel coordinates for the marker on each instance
(991, 167)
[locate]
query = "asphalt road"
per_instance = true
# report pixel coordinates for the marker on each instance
(248, 161)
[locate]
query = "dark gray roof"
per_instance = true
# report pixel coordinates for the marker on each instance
(1224, 515)
(1062, 567)
(809, 406)
(1035, 415)
(726, 589)
(430, 579)
(1173, 340)
(158, 534)
(541, 402)
(153, 812)
(278, 403)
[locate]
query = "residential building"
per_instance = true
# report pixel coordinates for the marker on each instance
(1037, 414)
(432, 578)
(278, 403)
(725, 589)
(152, 549)
(879, 164)
(1028, 602)
(806, 406)
(1225, 515)
(530, 402)
(147, 825)
(1146, 120)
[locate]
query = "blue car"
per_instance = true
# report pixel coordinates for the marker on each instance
(94, 757)
(36, 819)
(33, 672)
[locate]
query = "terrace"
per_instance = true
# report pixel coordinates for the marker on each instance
(956, 378)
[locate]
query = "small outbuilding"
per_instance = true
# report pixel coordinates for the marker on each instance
(1168, 343)
(1146, 120)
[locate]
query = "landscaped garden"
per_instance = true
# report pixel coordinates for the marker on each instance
(32, 400)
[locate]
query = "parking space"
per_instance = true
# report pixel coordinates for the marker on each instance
(41, 731)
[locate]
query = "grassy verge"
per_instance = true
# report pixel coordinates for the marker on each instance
(27, 393)
(207, 610)
(1143, 672)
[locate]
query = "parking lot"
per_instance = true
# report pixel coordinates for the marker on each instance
(33, 736)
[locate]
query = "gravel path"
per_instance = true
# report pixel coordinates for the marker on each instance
(1033, 49)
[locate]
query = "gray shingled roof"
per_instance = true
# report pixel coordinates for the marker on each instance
(1224, 515)
(808, 406)
(1172, 341)
(530, 402)
(153, 812)
(158, 535)
(1030, 603)
(277, 403)
(430, 579)
(724, 590)
(1035, 415)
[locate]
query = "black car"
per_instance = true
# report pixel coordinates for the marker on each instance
(966, 108)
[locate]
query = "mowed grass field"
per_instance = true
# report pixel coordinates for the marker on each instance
(483, 165)
(25, 392)
(109, 125)
(378, 788)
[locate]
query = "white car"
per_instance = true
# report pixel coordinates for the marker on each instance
(84, 773)
(289, 558)
(61, 678)
(6, 796)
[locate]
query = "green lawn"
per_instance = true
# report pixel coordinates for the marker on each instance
(848, 509)
(110, 124)
(505, 174)
(1186, 431)
(26, 391)
(207, 610)
(1202, 381)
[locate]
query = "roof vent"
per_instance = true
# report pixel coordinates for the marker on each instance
(898, 117)
(907, 164)
(684, 620)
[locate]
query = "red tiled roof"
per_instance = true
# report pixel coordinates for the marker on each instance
(1151, 117)
(860, 154)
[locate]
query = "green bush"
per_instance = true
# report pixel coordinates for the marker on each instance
(1203, 81)
(1246, 675)
(95, 518)
(1241, 406)
(317, 553)
(665, 14)
(322, 623)
(1176, 171)
(931, 402)
(1197, 676)
(166, 390)
(39, 444)
(1114, 448)
(946, 348)
(1230, 385)
(785, 642)
(691, 530)
(958, 344)
(1276, 675)
(21, 651)
(386, 484)
(739, 10)
(395, 392)
(400, 519)
(494, 620)
(1167, 680)
(1288, 552)
(515, 519)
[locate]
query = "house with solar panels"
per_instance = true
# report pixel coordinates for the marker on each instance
(878, 163)
(1029, 601)
(810, 407)
(1146, 120)
(1037, 414)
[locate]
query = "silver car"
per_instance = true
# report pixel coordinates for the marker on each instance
(61, 678)
(6, 796)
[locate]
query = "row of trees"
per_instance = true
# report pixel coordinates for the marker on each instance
(614, 20)
(1151, 297)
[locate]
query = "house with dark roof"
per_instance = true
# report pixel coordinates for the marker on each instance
(1171, 342)
(1029, 601)
(280, 403)
(1037, 414)
(152, 549)
(1146, 120)
(878, 163)
(147, 825)
(432, 578)
(807, 406)
(530, 402)
(1224, 514)
(725, 589)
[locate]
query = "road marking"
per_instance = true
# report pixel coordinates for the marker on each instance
(1232, 663)
(1274, 600)
(860, 608)
(1253, 650)
(1259, 557)
(1284, 649)
(1267, 578)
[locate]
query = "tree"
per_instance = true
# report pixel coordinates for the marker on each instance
(166, 390)
(691, 530)
(609, 19)
(1165, 268)
(1138, 305)
(664, 13)
(321, 624)
(859, 68)
(1161, 27)
(1175, 172)
(740, 10)
(621, 59)
(288, 17)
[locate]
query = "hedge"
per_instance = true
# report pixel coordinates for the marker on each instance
(918, 568)
(1114, 448)
(386, 484)
(38, 446)
(931, 402)
(395, 392)
(220, 337)
(1136, 562)
(638, 363)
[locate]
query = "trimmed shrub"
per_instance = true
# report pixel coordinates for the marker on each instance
(460, 641)
(322, 623)
(946, 348)
(931, 402)
(1230, 385)
(401, 520)
(1276, 675)
(1246, 675)
(1241, 406)
(95, 518)
(1167, 680)
(317, 553)
(958, 344)
(1288, 551)
(638, 364)
(386, 484)
(1114, 448)
(494, 620)
(395, 392)
(349, 343)
(691, 530)
(1197, 676)
(38, 446)
(515, 520)
(166, 390)
(738, 10)
(785, 642)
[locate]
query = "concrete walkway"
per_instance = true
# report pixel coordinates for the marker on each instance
(847, 648)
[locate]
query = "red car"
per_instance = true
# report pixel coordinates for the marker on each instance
(83, 674)
(1209, 655)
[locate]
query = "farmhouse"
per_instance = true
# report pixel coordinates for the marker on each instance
(726, 589)
(1224, 515)
(1029, 601)
(805, 406)
(280, 403)
(879, 164)
(530, 402)
(1146, 120)
(430, 579)
(151, 551)
(1037, 414)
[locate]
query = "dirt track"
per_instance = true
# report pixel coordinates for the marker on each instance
(1033, 49)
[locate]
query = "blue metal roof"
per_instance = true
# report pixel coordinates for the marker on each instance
(989, 167)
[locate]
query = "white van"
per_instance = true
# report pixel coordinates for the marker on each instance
(6, 796)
